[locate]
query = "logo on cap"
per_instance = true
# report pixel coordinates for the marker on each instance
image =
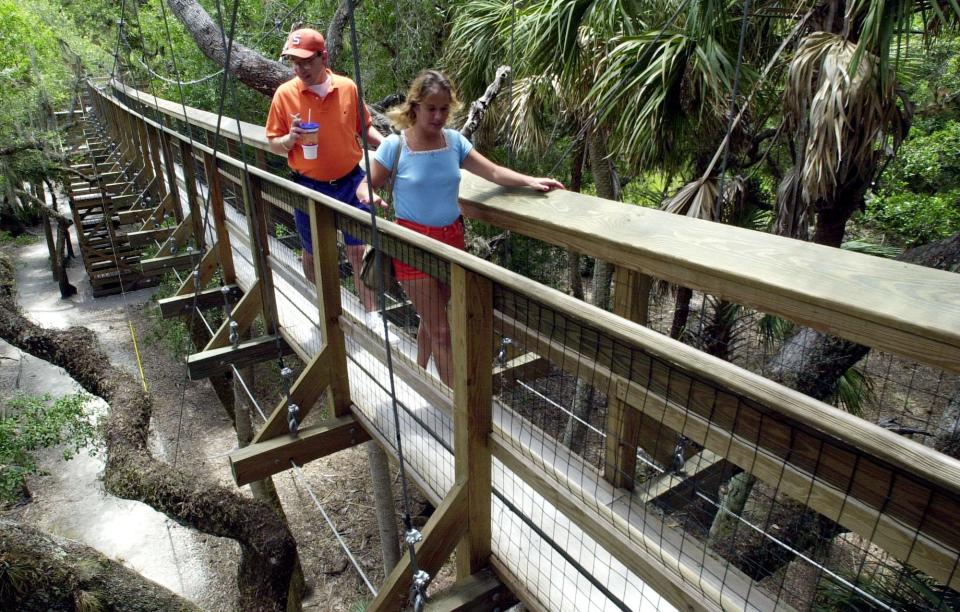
(304, 43)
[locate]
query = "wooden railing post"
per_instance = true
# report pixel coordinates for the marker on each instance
(471, 330)
(326, 269)
(168, 162)
(190, 178)
(260, 248)
(629, 429)
(215, 190)
(145, 160)
(154, 157)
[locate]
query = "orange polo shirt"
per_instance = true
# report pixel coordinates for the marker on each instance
(338, 141)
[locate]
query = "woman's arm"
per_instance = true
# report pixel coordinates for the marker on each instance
(378, 178)
(484, 168)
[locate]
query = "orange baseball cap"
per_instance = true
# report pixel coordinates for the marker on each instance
(304, 43)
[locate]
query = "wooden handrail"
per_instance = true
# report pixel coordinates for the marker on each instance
(893, 448)
(902, 308)
(859, 297)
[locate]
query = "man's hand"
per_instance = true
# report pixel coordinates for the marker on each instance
(293, 136)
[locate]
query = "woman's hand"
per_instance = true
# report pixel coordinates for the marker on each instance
(363, 194)
(544, 184)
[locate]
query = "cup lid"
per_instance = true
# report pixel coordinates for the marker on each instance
(309, 126)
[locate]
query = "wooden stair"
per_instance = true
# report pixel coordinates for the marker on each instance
(111, 261)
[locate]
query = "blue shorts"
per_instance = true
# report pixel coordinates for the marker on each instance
(343, 189)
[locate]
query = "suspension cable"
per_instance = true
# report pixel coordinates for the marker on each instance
(419, 578)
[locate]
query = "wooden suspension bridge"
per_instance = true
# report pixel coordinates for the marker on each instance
(560, 529)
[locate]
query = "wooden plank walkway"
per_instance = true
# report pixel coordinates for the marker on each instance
(427, 433)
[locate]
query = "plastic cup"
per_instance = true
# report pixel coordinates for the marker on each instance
(308, 139)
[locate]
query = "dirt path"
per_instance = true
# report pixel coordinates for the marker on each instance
(189, 429)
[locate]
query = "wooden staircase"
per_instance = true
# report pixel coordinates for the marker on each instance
(105, 210)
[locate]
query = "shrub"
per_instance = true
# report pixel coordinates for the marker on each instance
(30, 423)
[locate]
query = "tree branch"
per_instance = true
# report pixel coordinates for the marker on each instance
(338, 22)
(61, 571)
(25, 145)
(44, 207)
(267, 548)
(478, 107)
(250, 67)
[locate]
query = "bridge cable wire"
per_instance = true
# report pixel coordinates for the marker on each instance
(262, 35)
(419, 579)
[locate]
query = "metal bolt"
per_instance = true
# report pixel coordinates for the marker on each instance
(412, 537)
(420, 579)
(293, 418)
(234, 333)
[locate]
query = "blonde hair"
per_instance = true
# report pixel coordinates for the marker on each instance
(427, 82)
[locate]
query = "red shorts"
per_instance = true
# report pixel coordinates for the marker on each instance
(448, 234)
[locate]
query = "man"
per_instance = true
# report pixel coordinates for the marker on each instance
(317, 95)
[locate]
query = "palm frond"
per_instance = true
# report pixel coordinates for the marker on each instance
(696, 199)
(534, 102)
(870, 248)
(847, 114)
(854, 392)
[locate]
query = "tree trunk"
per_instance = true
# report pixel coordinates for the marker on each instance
(681, 312)
(241, 411)
(338, 22)
(608, 186)
(384, 503)
(724, 524)
(812, 363)
(59, 574)
(252, 69)
(268, 550)
(576, 180)
(948, 430)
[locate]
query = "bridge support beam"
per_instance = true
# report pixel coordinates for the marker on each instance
(207, 363)
(208, 298)
(471, 330)
(475, 593)
(264, 459)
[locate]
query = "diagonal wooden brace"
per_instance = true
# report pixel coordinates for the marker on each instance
(440, 536)
(244, 313)
(304, 392)
(208, 298)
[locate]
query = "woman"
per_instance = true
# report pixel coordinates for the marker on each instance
(425, 197)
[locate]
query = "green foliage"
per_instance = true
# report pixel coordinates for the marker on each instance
(919, 200)
(870, 248)
(172, 332)
(906, 589)
(773, 330)
(854, 391)
(16, 579)
(31, 423)
(18, 241)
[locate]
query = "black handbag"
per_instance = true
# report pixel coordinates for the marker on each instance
(368, 266)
